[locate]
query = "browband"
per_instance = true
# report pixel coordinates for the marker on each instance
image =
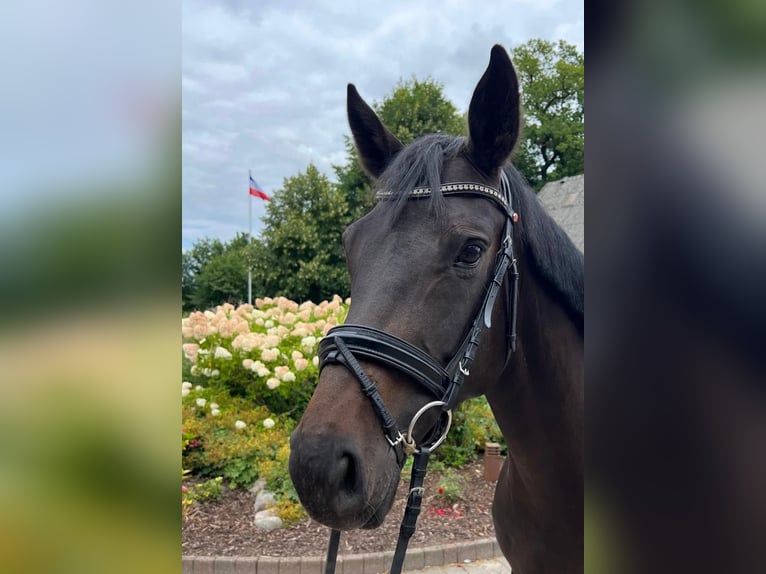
(454, 188)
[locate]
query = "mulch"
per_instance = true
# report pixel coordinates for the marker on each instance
(225, 527)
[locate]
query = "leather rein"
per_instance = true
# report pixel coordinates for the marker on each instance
(347, 343)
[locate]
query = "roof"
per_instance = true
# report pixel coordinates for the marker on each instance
(564, 200)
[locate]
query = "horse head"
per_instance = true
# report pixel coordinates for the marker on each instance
(419, 272)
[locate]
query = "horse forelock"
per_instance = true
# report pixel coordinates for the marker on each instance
(421, 163)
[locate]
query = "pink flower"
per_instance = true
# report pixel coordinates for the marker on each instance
(183, 488)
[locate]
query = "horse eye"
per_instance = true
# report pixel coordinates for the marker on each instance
(470, 255)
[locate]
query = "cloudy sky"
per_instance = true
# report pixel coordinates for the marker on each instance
(264, 82)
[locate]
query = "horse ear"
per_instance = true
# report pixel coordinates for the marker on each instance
(493, 116)
(376, 145)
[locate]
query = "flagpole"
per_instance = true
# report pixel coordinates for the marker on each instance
(249, 242)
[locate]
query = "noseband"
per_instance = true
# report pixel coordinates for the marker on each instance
(347, 343)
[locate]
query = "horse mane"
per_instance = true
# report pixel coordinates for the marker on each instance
(551, 253)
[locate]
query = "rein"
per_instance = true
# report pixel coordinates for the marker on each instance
(344, 343)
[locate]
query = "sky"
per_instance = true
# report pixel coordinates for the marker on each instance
(88, 96)
(264, 83)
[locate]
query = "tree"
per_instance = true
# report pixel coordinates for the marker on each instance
(412, 109)
(214, 273)
(552, 80)
(192, 263)
(300, 255)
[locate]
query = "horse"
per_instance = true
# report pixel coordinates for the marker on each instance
(433, 278)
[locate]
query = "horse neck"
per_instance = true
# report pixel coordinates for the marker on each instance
(538, 400)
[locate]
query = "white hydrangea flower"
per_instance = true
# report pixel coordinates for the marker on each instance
(221, 353)
(269, 324)
(201, 402)
(213, 406)
(184, 392)
(296, 355)
(273, 383)
(268, 423)
(198, 388)
(288, 377)
(215, 373)
(270, 355)
(315, 361)
(307, 343)
(239, 425)
(215, 412)
(186, 385)
(301, 364)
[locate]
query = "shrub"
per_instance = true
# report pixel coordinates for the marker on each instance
(450, 486)
(473, 425)
(235, 443)
(266, 352)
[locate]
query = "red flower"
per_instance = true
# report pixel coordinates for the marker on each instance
(441, 490)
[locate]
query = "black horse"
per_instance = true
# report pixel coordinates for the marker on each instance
(421, 268)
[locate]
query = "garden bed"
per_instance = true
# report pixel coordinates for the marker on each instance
(224, 527)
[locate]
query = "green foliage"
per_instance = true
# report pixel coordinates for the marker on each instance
(214, 273)
(473, 425)
(216, 447)
(450, 487)
(553, 82)
(300, 255)
(413, 108)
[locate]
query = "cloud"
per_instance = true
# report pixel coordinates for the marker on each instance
(264, 84)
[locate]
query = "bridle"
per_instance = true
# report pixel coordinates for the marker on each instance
(347, 343)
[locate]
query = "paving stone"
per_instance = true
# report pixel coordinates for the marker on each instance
(450, 553)
(414, 560)
(484, 549)
(289, 566)
(466, 552)
(313, 565)
(374, 563)
(224, 565)
(433, 556)
(353, 564)
(187, 565)
(244, 565)
(268, 565)
(204, 565)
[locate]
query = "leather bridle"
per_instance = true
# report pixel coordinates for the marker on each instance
(347, 343)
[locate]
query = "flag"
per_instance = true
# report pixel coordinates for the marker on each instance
(256, 190)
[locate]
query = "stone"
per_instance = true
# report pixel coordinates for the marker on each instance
(263, 500)
(267, 520)
(258, 486)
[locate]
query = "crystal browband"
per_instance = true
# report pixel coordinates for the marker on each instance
(450, 188)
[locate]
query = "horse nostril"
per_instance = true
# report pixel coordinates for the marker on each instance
(347, 468)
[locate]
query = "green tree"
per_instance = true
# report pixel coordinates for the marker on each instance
(193, 261)
(214, 273)
(413, 108)
(300, 255)
(552, 80)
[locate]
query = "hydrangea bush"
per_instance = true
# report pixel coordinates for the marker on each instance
(249, 372)
(265, 353)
